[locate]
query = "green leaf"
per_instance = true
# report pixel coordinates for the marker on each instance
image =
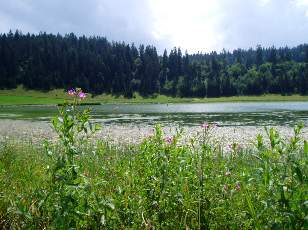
(251, 208)
(97, 127)
(298, 173)
(305, 147)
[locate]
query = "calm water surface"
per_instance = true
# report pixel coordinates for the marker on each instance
(226, 114)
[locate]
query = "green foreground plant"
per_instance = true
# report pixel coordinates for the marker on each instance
(159, 184)
(69, 201)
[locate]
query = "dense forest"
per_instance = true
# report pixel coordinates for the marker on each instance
(45, 61)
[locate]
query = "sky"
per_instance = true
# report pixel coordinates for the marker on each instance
(193, 25)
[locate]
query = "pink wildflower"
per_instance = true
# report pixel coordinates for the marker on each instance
(229, 147)
(168, 139)
(82, 95)
(205, 125)
(71, 92)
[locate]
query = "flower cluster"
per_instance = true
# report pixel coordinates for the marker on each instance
(71, 92)
(77, 93)
(234, 147)
(237, 187)
(206, 125)
(168, 139)
(82, 95)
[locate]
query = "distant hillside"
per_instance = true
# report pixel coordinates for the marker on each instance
(45, 61)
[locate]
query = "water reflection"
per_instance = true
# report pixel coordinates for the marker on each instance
(225, 114)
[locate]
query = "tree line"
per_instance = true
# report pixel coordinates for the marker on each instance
(46, 61)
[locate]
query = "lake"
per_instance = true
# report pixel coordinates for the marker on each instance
(225, 114)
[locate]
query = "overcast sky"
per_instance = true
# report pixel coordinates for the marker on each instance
(195, 25)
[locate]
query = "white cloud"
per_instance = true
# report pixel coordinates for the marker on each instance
(119, 20)
(264, 2)
(189, 24)
(279, 23)
(303, 4)
(205, 25)
(195, 25)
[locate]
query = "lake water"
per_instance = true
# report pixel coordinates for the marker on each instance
(225, 114)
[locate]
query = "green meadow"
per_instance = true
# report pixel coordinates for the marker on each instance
(20, 96)
(157, 185)
(162, 183)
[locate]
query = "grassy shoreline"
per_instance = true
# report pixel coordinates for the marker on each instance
(21, 96)
(162, 181)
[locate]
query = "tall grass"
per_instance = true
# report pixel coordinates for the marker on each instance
(160, 184)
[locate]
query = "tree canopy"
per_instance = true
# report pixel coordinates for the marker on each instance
(46, 61)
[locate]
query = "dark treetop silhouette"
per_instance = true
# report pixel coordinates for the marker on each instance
(45, 61)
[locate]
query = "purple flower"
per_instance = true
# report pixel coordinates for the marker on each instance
(205, 125)
(82, 95)
(229, 147)
(168, 139)
(71, 92)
